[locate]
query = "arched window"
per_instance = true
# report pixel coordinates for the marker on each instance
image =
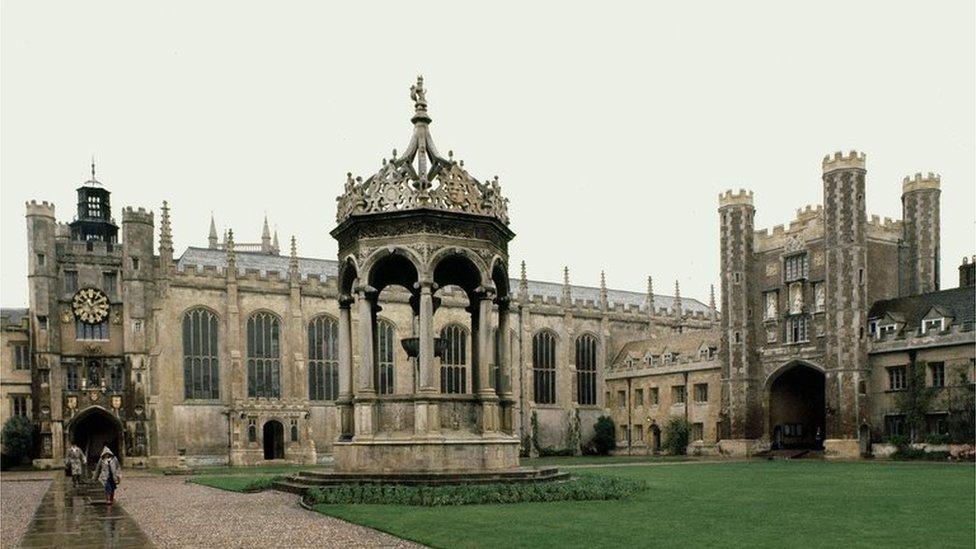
(263, 356)
(201, 375)
(323, 358)
(544, 367)
(454, 363)
(586, 370)
(385, 341)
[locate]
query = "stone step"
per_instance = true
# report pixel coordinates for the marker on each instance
(304, 480)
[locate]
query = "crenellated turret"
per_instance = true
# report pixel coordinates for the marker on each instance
(845, 252)
(921, 242)
(741, 390)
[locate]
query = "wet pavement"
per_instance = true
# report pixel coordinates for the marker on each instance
(79, 518)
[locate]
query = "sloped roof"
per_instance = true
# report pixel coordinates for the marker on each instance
(323, 268)
(959, 303)
(683, 344)
(12, 315)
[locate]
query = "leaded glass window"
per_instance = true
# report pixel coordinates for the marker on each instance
(454, 363)
(385, 346)
(201, 376)
(544, 367)
(85, 331)
(263, 356)
(323, 358)
(586, 370)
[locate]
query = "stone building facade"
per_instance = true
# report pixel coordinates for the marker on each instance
(229, 352)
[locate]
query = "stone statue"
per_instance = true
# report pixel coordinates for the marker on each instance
(417, 92)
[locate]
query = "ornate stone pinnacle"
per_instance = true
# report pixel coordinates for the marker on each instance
(419, 95)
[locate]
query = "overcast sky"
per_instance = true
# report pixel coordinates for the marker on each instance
(612, 128)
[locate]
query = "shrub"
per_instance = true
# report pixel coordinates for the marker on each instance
(586, 488)
(18, 439)
(550, 451)
(534, 425)
(676, 434)
(936, 438)
(900, 441)
(909, 453)
(604, 439)
(233, 483)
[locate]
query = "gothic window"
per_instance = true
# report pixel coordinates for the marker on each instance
(294, 430)
(796, 267)
(544, 367)
(586, 370)
(323, 359)
(797, 329)
(454, 363)
(72, 379)
(263, 356)
(385, 346)
(116, 378)
(91, 332)
(110, 283)
(201, 378)
(252, 430)
(70, 282)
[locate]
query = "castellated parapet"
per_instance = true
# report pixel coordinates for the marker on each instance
(931, 181)
(43, 209)
(137, 215)
(731, 198)
(854, 160)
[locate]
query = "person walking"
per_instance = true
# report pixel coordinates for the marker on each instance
(107, 472)
(76, 461)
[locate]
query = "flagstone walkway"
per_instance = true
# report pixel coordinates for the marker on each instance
(79, 518)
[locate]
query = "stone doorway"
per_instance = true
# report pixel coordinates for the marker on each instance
(655, 438)
(274, 440)
(94, 429)
(796, 407)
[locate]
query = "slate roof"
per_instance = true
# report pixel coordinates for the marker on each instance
(12, 316)
(206, 257)
(959, 303)
(684, 344)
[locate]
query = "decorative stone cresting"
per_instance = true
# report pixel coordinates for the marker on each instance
(421, 178)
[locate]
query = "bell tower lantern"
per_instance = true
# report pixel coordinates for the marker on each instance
(94, 218)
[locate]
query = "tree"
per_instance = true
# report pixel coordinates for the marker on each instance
(960, 403)
(603, 436)
(915, 401)
(18, 439)
(676, 434)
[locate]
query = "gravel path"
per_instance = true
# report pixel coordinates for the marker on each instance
(19, 500)
(174, 513)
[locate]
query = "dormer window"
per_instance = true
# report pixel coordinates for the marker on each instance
(885, 329)
(933, 325)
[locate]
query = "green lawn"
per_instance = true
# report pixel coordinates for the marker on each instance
(597, 460)
(754, 504)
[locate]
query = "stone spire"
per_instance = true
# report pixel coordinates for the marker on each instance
(649, 298)
(165, 232)
(678, 313)
(604, 301)
(275, 248)
(266, 236)
(523, 286)
(212, 237)
(293, 260)
(711, 304)
(229, 249)
(567, 291)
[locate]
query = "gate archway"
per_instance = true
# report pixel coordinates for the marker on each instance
(797, 407)
(274, 439)
(95, 428)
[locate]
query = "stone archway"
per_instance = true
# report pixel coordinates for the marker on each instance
(94, 429)
(797, 407)
(273, 438)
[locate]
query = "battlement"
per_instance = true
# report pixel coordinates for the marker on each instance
(730, 198)
(809, 211)
(839, 161)
(134, 215)
(920, 182)
(44, 209)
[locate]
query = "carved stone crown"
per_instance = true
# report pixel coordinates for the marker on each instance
(421, 178)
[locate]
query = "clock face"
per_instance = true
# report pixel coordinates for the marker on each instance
(90, 305)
